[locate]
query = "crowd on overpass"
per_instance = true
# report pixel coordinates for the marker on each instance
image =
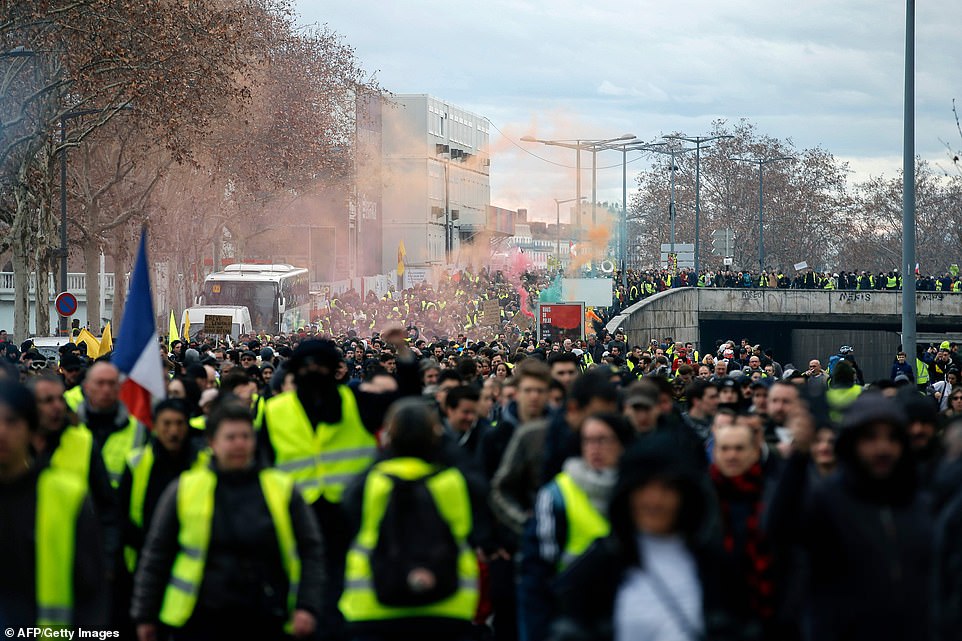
(579, 489)
(456, 304)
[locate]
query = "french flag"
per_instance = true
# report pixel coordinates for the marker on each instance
(137, 354)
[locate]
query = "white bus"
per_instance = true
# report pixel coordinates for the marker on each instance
(277, 296)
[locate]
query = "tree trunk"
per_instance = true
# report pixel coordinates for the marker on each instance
(20, 246)
(43, 293)
(120, 252)
(91, 254)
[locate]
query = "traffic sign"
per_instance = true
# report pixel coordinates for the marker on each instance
(66, 304)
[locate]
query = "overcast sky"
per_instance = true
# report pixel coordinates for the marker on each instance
(826, 74)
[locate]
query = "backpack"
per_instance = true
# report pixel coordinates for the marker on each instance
(415, 545)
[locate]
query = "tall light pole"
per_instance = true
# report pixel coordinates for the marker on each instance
(63, 201)
(698, 141)
(558, 204)
(908, 191)
(672, 151)
(623, 234)
(761, 190)
(70, 115)
(578, 145)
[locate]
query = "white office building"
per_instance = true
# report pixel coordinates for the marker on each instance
(434, 179)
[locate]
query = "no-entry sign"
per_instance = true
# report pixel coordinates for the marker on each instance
(66, 304)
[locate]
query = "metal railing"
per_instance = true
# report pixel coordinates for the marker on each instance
(76, 283)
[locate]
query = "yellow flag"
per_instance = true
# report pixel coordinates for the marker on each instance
(400, 258)
(172, 334)
(106, 341)
(88, 339)
(186, 327)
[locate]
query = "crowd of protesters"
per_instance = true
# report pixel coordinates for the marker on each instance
(587, 489)
(456, 304)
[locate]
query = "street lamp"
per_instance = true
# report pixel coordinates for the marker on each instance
(672, 151)
(594, 146)
(908, 189)
(761, 189)
(623, 233)
(558, 204)
(63, 195)
(698, 141)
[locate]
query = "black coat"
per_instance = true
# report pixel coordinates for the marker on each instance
(243, 570)
(18, 553)
(867, 544)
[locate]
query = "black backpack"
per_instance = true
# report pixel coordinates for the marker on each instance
(415, 561)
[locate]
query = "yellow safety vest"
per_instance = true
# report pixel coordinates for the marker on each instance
(73, 451)
(195, 513)
(60, 497)
(921, 372)
(450, 493)
(118, 446)
(321, 460)
(140, 462)
(585, 523)
(74, 397)
(839, 399)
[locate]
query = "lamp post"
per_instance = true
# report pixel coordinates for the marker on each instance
(761, 162)
(698, 141)
(671, 151)
(578, 145)
(63, 195)
(623, 233)
(908, 190)
(558, 204)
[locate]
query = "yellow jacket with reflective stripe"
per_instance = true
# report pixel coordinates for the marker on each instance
(74, 397)
(119, 445)
(140, 462)
(585, 523)
(321, 460)
(195, 514)
(73, 452)
(60, 497)
(450, 492)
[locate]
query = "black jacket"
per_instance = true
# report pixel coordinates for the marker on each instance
(867, 543)
(18, 591)
(243, 570)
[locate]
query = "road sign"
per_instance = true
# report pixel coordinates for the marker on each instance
(217, 325)
(723, 242)
(66, 304)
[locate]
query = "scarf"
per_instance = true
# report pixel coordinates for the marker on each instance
(757, 553)
(597, 484)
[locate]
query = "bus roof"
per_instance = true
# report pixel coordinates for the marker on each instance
(253, 272)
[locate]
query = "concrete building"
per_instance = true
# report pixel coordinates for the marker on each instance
(435, 187)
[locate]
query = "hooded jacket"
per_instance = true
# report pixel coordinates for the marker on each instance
(868, 542)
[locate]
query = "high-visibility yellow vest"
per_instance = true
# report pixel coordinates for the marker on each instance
(118, 446)
(450, 493)
(140, 462)
(324, 460)
(195, 513)
(74, 397)
(198, 422)
(921, 372)
(891, 282)
(839, 399)
(60, 497)
(73, 451)
(585, 523)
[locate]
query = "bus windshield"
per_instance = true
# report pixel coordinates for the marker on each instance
(260, 297)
